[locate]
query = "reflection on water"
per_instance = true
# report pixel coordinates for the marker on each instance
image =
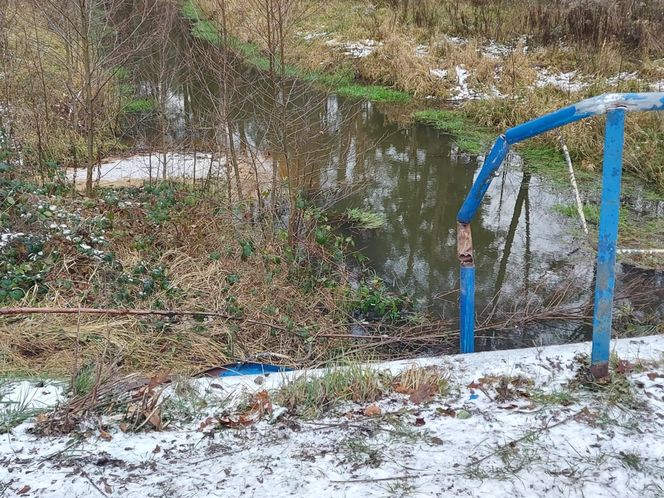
(414, 175)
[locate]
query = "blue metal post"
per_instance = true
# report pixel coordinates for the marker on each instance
(467, 309)
(606, 244)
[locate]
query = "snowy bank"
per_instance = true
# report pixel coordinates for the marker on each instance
(514, 423)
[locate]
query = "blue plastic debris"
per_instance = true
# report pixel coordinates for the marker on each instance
(474, 396)
(249, 368)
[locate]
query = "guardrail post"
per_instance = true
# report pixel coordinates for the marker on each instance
(607, 241)
(467, 288)
(467, 309)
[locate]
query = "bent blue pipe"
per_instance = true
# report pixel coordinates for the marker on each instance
(616, 105)
(491, 164)
(595, 106)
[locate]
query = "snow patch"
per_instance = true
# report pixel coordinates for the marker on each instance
(145, 166)
(6, 238)
(30, 395)
(438, 73)
(312, 35)
(462, 91)
(568, 81)
(455, 40)
(355, 50)
(476, 441)
(623, 76)
(495, 50)
(421, 51)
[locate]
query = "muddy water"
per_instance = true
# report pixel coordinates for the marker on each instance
(356, 154)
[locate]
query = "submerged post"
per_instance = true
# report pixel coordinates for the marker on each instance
(608, 237)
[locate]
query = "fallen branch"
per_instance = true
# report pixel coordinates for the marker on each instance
(382, 479)
(575, 188)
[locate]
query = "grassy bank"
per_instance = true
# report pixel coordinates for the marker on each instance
(341, 79)
(169, 246)
(464, 51)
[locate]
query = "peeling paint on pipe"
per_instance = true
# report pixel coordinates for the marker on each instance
(467, 289)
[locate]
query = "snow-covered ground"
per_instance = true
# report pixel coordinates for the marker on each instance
(568, 81)
(145, 166)
(510, 426)
(179, 166)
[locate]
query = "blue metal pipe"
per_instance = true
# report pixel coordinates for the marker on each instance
(608, 238)
(594, 106)
(467, 309)
(492, 162)
(545, 123)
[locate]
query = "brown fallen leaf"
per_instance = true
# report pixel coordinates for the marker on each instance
(401, 389)
(157, 449)
(207, 423)
(654, 375)
(447, 411)
(23, 490)
(624, 367)
(372, 410)
(419, 422)
(157, 380)
(155, 419)
(105, 435)
(422, 393)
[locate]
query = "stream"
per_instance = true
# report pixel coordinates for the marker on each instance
(361, 155)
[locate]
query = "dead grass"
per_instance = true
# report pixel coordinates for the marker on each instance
(394, 64)
(309, 395)
(423, 382)
(202, 258)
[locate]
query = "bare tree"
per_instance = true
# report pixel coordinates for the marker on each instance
(99, 36)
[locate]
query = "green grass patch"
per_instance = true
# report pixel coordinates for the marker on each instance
(468, 136)
(250, 52)
(364, 219)
(202, 28)
(548, 161)
(375, 93)
(192, 11)
(140, 106)
(206, 30)
(591, 212)
(340, 78)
